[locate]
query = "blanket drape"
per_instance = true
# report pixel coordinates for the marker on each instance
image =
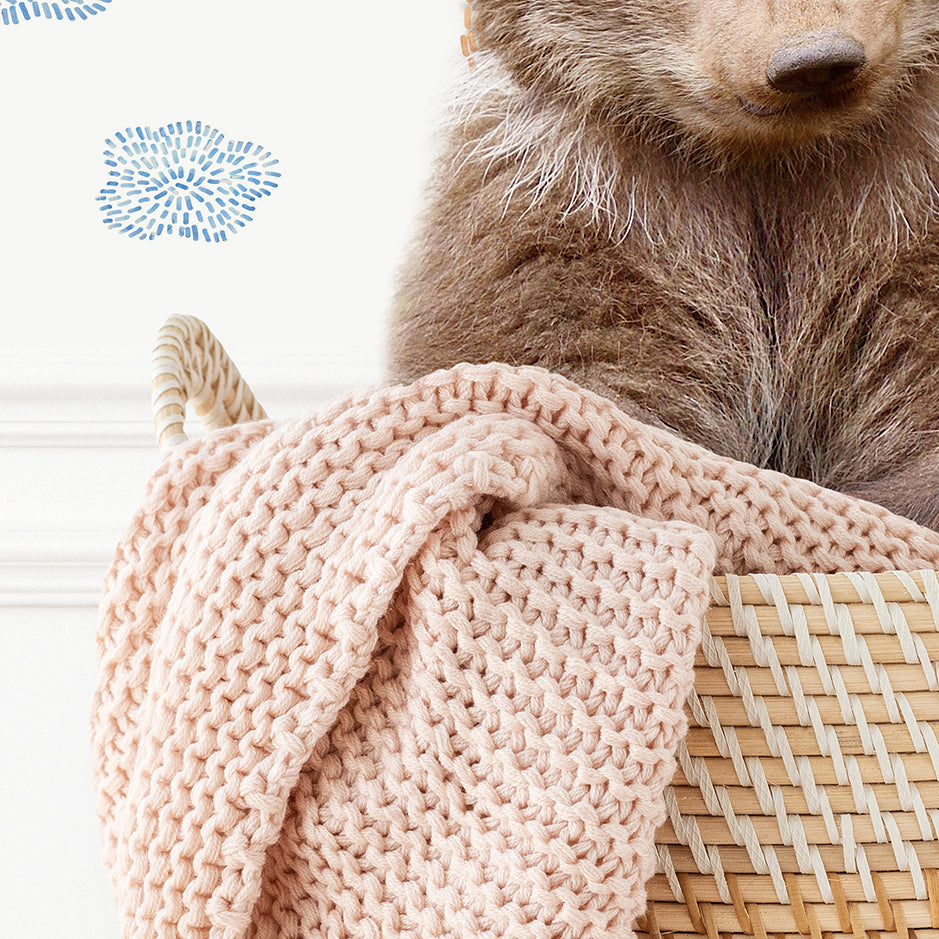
(415, 665)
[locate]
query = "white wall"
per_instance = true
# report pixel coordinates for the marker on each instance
(346, 97)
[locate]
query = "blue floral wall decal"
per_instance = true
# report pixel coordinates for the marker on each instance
(183, 179)
(18, 11)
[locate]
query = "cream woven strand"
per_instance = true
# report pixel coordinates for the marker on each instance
(190, 365)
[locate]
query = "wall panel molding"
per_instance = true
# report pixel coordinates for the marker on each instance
(77, 442)
(54, 568)
(103, 399)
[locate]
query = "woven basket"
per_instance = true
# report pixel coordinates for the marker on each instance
(806, 800)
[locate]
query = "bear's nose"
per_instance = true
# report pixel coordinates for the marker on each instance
(816, 62)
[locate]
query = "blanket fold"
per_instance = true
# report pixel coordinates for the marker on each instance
(415, 665)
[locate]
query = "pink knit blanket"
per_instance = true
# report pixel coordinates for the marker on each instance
(415, 665)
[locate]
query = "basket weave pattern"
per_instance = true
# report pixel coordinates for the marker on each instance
(806, 801)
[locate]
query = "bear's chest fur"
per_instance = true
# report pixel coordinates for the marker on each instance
(782, 315)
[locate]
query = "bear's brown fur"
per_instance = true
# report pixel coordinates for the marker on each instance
(627, 200)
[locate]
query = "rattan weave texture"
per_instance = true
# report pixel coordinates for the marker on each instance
(191, 366)
(806, 801)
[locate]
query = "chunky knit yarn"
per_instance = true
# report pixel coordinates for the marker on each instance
(415, 665)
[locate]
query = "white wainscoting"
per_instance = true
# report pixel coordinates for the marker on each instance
(76, 449)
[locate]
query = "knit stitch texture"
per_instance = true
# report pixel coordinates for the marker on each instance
(415, 666)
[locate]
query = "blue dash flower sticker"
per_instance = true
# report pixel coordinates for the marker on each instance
(183, 179)
(13, 12)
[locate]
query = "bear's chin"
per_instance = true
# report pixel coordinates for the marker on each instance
(747, 130)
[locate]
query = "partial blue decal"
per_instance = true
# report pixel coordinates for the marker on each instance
(13, 12)
(183, 179)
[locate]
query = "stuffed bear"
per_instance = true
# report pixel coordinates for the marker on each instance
(721, 214)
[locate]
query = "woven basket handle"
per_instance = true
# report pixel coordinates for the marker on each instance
(190, 365)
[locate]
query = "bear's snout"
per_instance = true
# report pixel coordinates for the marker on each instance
(816, 62)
